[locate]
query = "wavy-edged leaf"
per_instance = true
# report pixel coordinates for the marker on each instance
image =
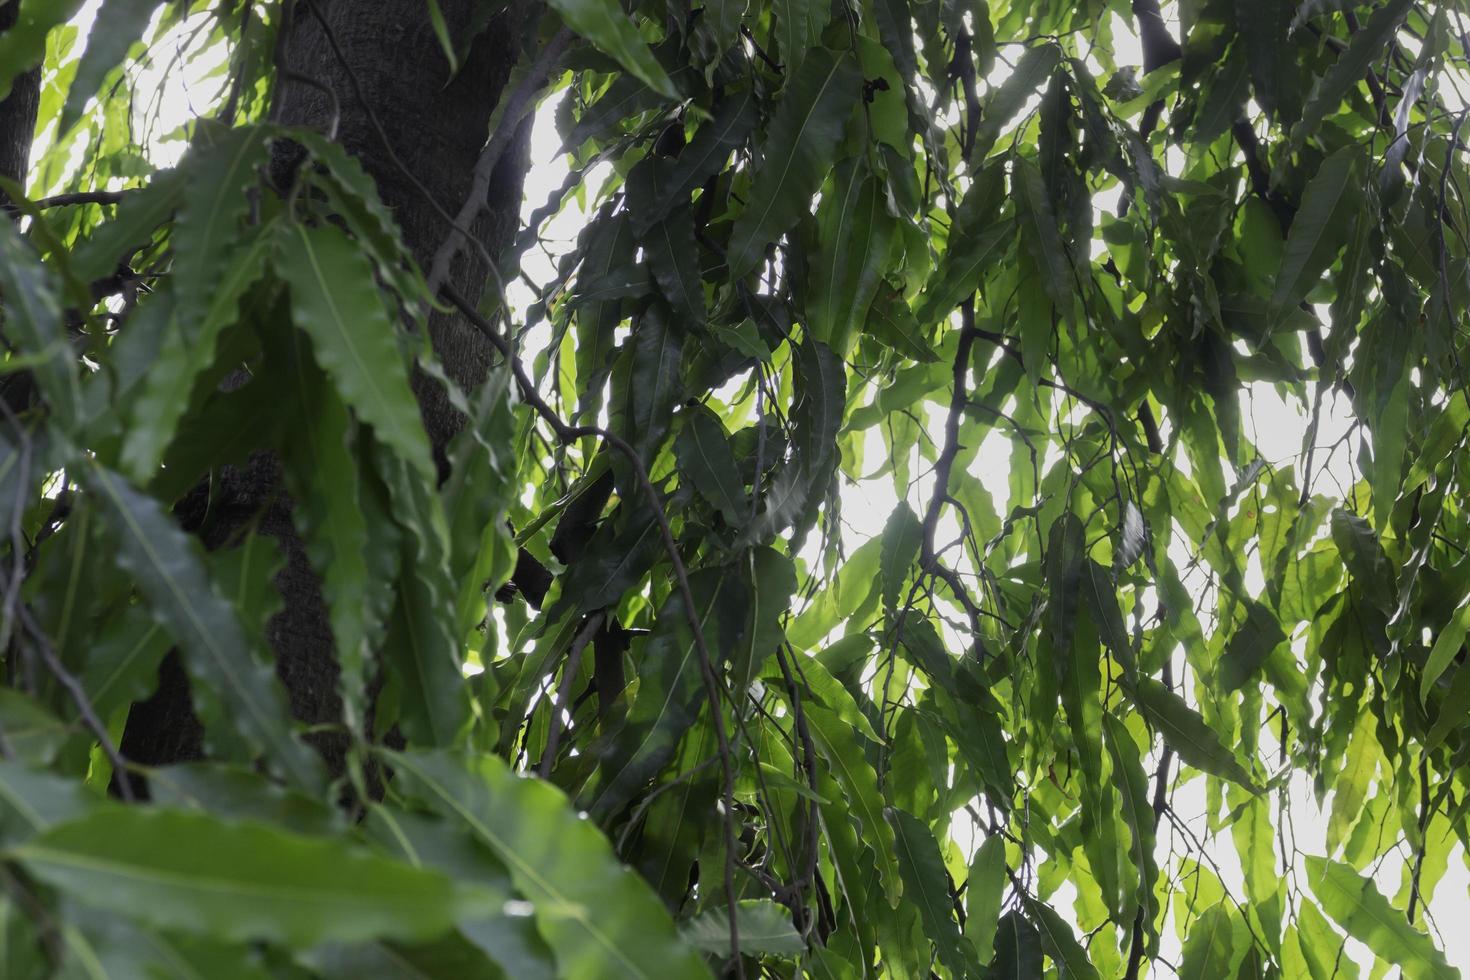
(1184, 729)
(239, 881)
(168, 571)
(852, 770)
(33, 323)
(1356, 905)
(1446, 647)
(765, 928)
(422, 652)
(1137, 813)
(604, 24)
(673, 256)
(355, 561)
(335, 300)
(800, 143)
(594, 914)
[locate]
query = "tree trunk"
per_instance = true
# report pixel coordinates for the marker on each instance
(436, 126)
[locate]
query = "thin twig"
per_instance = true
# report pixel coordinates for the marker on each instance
(80, 197)
(478, 199)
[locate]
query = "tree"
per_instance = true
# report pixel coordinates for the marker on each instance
(360, 618)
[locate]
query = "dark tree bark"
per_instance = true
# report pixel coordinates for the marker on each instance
(435, 127)
(17, 115)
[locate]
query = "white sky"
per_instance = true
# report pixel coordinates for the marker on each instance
(1274, 425)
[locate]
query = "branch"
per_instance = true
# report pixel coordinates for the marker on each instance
(478, 199)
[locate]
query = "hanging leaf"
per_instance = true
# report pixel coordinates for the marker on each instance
(1319, 229)
(1355, 903)
(167, 570)
(335, 301)
(802, 139)
(592, 912)
(119, 25)
(764, 926)
(239, 881)
(604, 24)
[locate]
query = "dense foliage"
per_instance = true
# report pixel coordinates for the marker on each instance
(829, 245)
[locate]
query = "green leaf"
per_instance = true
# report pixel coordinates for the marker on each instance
(801, 143)
(335, 300)
(765, 928)
(23, 46)
(855, 232)
(960, 272)
(139, 213)
(1060, 942)
(33, 322)
(441, 32)
(1184, 730)
(983, 893)
(902, 536)
(32, 802)
(926, 884)
(706, 155)
(1209, 948)
(355, 561)
(1350, 788)
(798, 24)
(671, 693)
(1351, 67)
(837, 742)
(673, 255)
(604, 24)
(188, 349)
(706, 459)
(1017, 949)
(594, 914)
(167, 569)
(239, 881)
(31, 733)
(119, 25)
(422, 652)
(1446, 647)
(1249, 646)
(1041, 235)
(1137, 812)
(1319, 230)
(1356, 905)
(1034, 67)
